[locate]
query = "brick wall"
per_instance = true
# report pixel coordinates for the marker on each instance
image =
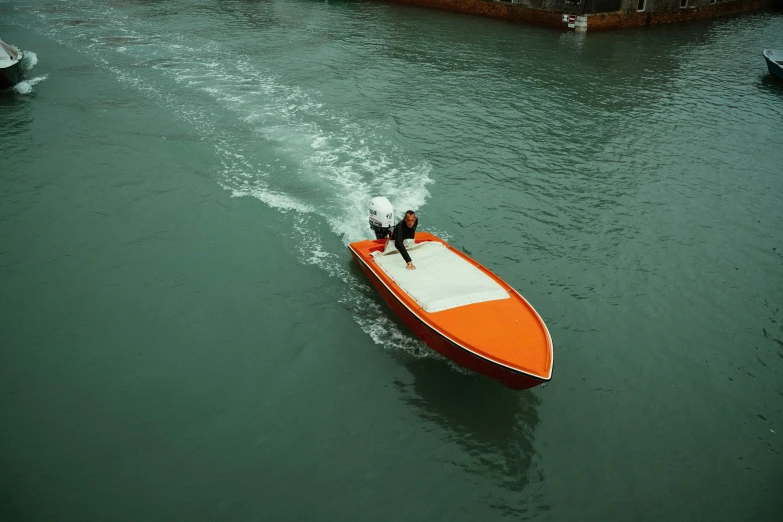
(548, 13)
(506, 11)
(653, 16)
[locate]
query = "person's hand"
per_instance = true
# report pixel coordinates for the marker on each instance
(411, 266)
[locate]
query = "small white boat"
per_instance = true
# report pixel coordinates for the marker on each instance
(11, 70)
(774, 62)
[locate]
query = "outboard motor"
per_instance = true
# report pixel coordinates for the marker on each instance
(381, 217)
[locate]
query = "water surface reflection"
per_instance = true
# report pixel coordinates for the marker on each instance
(492, 425)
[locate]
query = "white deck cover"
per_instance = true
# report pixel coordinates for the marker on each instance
(442, 279)
(8, 55)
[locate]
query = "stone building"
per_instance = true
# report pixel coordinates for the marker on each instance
(582, 15)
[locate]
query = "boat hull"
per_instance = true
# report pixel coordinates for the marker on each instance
(10, 76)
(442, 345)
(773, 59)
(11, 70)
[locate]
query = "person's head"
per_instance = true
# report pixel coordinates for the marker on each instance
(410, 218)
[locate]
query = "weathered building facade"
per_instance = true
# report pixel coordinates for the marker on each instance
(597, 14)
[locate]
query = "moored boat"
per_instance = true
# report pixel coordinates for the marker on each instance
(774, 61)
(461, 309)
(11, 71)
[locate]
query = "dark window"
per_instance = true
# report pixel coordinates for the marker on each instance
(602, 6)
(640, 7)
(683, 3)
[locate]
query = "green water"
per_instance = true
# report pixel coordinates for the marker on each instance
(184, 337)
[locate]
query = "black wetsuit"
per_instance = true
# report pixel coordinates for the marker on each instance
(401, 233)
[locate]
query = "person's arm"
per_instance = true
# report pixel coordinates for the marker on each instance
(400, 246)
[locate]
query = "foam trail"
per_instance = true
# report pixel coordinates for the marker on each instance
(29, 60)
(318, 150)
(345, 157)
(26, 86)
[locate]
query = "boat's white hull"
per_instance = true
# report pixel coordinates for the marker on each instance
(11, 71)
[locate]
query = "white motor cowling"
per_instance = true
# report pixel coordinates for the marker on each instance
(381, 217)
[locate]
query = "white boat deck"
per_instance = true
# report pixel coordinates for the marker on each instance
(9, 55)
(442, 279)
(774, 55)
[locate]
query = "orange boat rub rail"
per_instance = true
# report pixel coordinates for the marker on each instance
(421, 316)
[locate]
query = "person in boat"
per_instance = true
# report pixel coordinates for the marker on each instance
(405, 229)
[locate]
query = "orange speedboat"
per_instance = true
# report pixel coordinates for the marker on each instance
(461, 310)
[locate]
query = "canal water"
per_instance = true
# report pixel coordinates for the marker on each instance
(184, 336)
